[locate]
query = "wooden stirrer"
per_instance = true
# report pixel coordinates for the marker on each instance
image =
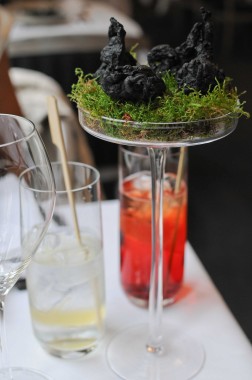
(180, 169)
(58, 141)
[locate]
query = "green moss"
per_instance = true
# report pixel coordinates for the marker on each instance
(174, 106)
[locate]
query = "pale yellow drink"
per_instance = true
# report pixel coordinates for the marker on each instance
(66, 293)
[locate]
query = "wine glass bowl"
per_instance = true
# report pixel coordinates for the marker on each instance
(25, 215)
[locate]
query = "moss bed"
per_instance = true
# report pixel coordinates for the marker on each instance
(194, 116)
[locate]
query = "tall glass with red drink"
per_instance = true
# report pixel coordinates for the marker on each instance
(135, 224)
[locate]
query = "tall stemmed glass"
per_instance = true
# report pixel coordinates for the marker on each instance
(154, 351)
(25, 214)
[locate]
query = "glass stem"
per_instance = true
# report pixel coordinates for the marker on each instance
(157, 163)
(3, 345)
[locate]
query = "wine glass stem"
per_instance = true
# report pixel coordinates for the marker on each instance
(157, 163)
(3, 345)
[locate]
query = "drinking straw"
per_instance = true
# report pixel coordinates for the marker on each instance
(58, 141)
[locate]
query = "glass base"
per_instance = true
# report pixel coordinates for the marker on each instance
(69, 354)
(181, 358)
(144, 303)
(19, 373)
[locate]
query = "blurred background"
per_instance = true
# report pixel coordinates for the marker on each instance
(55, 37)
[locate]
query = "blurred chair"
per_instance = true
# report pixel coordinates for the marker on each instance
(32, 88)
(24, 92)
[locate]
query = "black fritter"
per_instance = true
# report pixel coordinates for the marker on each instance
(120, 76)
(114, 54)
(192, 62)
(137, 84)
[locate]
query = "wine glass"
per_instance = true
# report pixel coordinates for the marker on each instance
(25, 214)
(153, 351)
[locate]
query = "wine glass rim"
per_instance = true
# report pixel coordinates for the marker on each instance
(24, 119)
(83, 165)
(75, 189)
(21, 180)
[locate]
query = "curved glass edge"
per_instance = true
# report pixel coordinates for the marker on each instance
(158, 134)
(24, 128)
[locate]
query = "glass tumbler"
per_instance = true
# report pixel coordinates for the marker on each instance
(65, 280)
(135, 223)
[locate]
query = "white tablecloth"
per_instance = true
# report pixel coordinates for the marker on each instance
(201, 312)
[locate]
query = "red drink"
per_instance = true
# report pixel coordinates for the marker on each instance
(135, 220)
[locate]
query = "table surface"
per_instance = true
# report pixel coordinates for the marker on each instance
(89, 34)
(201, 312)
